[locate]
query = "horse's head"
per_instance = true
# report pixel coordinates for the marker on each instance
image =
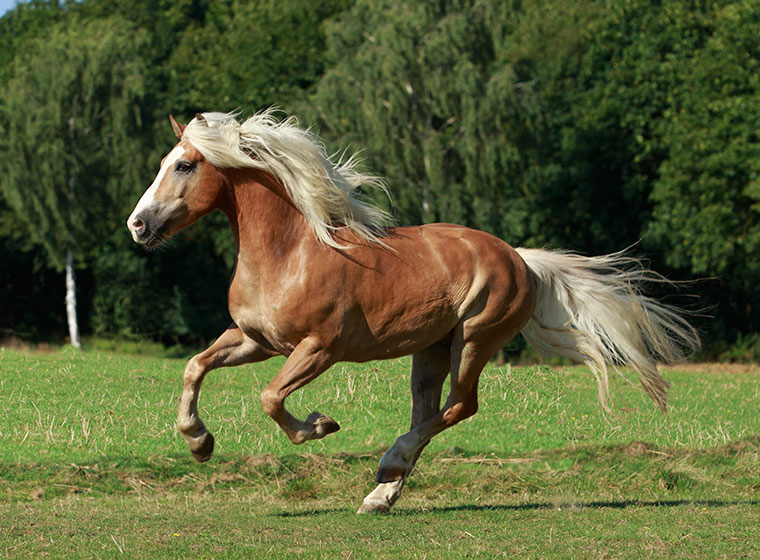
(186, 188)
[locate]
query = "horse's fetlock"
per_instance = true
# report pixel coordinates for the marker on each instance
(190, 426)
(460, 411)
(298, 438)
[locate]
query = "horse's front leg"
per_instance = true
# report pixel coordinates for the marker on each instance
(233, 348)
(307, 361)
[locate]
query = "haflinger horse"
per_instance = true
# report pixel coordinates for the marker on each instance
(320, 278)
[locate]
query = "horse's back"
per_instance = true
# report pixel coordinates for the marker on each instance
(469, 259)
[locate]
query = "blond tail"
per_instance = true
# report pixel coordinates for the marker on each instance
(591, 309)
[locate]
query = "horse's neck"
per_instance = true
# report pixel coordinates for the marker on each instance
(263, 219)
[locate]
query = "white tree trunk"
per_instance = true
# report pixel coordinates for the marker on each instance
(71, 300)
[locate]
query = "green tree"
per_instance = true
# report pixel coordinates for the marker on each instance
(445, 96)
(21, 24)
(706, 215)
(68, 112)
(249, 55)
(654, 138)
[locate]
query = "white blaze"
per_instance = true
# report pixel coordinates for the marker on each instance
(147, 198)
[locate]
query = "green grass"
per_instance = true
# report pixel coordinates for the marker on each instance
(91, 466)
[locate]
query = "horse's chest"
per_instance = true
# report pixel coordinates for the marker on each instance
(269, 316)
(253, 320)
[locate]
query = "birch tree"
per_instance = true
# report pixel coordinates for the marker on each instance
(68, 114)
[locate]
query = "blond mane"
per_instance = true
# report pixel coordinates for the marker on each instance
(323, 190)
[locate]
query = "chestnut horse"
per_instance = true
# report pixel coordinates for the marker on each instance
(320, 279)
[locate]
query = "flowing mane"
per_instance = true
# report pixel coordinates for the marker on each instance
(324, 191)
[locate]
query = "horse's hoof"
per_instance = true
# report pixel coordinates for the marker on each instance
(205, 450)
(390, 474)
(323, 425)
(373, 507)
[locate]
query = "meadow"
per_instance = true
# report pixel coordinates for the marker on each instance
(92, 466)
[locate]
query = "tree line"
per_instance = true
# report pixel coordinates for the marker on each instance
(576, 124)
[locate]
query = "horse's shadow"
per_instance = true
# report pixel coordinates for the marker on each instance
(559, 506)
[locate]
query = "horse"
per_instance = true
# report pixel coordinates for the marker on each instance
(321, 277)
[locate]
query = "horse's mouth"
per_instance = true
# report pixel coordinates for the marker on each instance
(154, 241)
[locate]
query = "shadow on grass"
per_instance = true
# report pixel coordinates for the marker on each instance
(579, 506)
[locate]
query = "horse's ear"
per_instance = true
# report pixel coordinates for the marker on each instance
(201, 119)
(178, 128)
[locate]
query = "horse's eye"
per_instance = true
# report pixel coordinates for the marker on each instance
(184, 167)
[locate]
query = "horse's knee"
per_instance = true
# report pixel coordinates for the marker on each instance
(194, 369)
(271, 402)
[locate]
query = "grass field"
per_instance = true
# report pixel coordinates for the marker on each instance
(91, 466)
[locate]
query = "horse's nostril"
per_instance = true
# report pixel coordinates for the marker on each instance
(138, 226)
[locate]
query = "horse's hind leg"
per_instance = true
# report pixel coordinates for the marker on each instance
(429, 370)
(233, 348)
(467, 361)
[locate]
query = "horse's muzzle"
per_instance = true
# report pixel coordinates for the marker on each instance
(144, 229)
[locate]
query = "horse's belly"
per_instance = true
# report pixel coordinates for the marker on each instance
(400, 322)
